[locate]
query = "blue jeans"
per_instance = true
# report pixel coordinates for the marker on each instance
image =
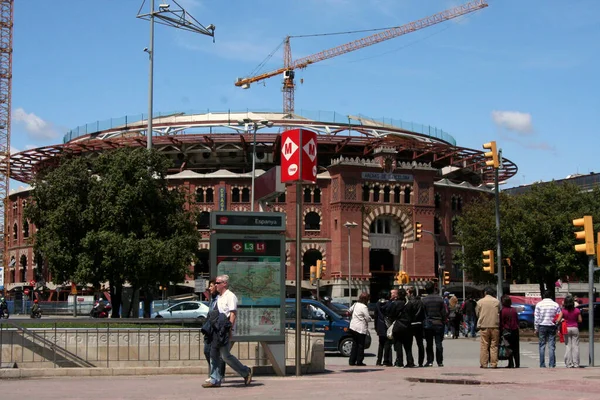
(470, 320)
(215, 372)
(547, 334)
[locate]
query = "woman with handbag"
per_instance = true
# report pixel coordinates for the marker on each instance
(359, 327)
(571, 317)
(509, 328)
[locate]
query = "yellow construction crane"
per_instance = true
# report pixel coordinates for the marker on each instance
(289, 66)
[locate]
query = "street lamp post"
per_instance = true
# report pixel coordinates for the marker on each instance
(349, 226)
(175, 17)
(256, 125)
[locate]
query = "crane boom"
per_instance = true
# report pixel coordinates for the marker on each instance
(288, 80)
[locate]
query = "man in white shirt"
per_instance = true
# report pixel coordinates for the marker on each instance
(546, 312)
(227, 304)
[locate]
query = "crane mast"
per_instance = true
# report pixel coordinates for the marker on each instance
(6, 52)
(289, 66)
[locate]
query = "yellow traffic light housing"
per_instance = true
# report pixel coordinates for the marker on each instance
(446, 277)
(313, 273)
(488, 261)
(586, 234)
(492, 155)
(418, 231)
(318, 269)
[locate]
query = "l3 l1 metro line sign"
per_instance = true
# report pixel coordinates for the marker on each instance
(299, 156)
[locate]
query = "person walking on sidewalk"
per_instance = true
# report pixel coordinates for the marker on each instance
(384, 351)
(227, 306)
(416, 326)
(212, 305)
(488, 322)
(572, 317)
(468, 311)
(434, 324)
(546, 313)
(359, 327)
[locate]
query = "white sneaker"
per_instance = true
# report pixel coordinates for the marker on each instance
(207, 380)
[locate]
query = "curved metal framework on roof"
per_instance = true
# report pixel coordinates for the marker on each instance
(210, 141)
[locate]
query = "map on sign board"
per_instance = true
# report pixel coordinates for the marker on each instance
(258, 321)
(255, 283)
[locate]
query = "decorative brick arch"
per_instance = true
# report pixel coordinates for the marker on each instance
(312, 209)
(204, 246)
(313, 246)
(403, 220)
(279, 209)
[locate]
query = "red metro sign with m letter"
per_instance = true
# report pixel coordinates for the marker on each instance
(299, 156)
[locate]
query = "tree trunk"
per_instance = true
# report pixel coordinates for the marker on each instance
(116, 292)
(148, 297)
(128, 313)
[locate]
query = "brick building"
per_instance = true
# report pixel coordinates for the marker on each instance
(382, 176)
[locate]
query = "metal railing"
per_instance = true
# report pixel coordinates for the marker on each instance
(88, 343)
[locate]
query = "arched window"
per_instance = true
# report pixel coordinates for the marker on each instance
(307, 196)
(365, 192)
(281, 198)
(397, 195)
(200, 195)
(376, 193)
(235, 195)
(453, 205)
(381, 225)
(454, 226)
(437, 226)
(317, 196)
(437, 198)
(203, 220)
(312, 221)
(15, 231)
(459, 204)
(210, 195)
(25, 229)
(23, 268)
(245, 195)
(386, 194)
(407, 192)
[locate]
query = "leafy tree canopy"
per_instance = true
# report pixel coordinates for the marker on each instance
(536, 232)
(111, 217)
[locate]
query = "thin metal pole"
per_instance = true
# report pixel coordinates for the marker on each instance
(150, 78)
(349, 271)
(591, 306)
(463, 274)
(254, 165)
(499, 252)
(299, 263)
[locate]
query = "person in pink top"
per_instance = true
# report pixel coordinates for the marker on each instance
(572, 317)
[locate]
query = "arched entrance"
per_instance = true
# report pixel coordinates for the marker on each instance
(385, 237)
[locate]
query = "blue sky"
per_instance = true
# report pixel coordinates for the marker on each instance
(521, 72)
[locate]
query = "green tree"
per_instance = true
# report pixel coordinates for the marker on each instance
(536, 233)
(113, 218)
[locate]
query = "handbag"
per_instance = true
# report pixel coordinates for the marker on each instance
(504, 350)
(390, 330)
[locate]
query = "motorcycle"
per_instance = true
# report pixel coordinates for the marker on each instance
(100, 311)
(36, 314)
(4, 313)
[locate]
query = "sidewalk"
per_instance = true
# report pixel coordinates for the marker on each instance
(348, 383)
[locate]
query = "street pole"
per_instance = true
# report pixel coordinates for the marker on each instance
(298, 264)
(463, 274)
(499, 250)
(150, 77)
(591, 307)
(253, 165)
(349, 270)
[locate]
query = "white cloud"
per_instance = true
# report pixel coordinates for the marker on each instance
(34, 125)
(514, 121)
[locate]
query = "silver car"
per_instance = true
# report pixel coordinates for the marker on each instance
(185, 309)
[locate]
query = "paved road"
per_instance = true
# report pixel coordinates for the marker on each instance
(464, 352)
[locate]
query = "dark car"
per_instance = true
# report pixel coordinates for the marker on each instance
(585, 315)
(316, 317)
(340, 308)
(526, 314)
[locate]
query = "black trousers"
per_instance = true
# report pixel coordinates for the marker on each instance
(417, 332)
(403, 340)
(435, 332)
(513, 341)
(357, 355)
(384, 351)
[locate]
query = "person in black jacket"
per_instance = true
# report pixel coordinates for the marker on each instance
(436, 316)
(416, 326)
(385, 344)
(400, 311)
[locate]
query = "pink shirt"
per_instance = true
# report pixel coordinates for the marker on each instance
(571, 317)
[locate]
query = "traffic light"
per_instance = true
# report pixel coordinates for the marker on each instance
(586, 234)
(402, 278)
(418, 231)
(320, 268)
(488, 263)
(492, 155)
(313, 274)
(446, 277)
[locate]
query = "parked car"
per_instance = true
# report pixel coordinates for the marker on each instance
(585, 315)
(185, 309)
(526, 314)
(316, 317)
(341, 308)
